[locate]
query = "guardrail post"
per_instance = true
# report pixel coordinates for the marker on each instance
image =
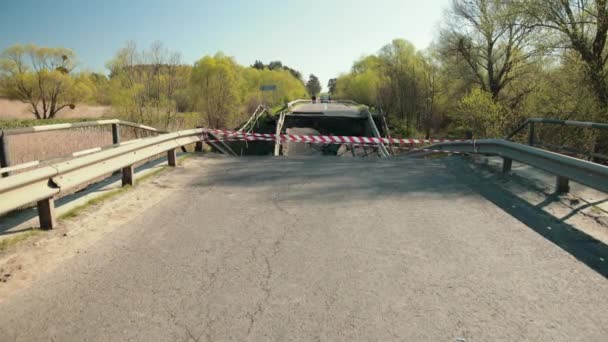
(562, 185)
(115, 134)
(531, 134)
(172, 158)
(128, 175)
(507, 164)
(46, 213)
(199, 146)
(4, 159)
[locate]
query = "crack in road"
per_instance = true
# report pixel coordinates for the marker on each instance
(275, 250)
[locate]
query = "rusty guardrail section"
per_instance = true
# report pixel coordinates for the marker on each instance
(42, 185)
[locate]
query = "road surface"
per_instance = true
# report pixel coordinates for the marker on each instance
(329, 109)
(318, 249)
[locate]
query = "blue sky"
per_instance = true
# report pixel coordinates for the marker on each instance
(315, 36)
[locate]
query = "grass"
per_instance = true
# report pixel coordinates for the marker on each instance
(8, 242)
(74, 212)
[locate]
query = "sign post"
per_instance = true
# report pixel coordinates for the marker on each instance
(269, 87)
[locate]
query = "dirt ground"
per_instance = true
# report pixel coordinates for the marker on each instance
(21, 265)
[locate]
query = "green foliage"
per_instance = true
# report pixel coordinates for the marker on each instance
(482, 115)
(44, 78)
(313, 85)
(148, 86)
(14, 240)
(399, 80)
(288, 87)
(217, 88)
(331, 85)
(276, 66)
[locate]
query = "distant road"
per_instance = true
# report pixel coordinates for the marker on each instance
(319, 249)
(329, 109)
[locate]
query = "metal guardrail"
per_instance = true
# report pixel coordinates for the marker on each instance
(564, 167)
(530, 122)
(43, 184)
(5, 164)
(531, 125)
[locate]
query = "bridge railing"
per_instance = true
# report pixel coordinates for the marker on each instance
(532, 140)
(564, 167)
(42, 185)
(6, 167)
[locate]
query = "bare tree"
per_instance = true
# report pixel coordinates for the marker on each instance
(151, 78)
(491, 39)
(582, 26)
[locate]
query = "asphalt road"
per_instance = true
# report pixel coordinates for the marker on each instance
(323, 249)
(329, 109)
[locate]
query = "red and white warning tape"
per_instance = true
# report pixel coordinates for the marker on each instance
(324, 139)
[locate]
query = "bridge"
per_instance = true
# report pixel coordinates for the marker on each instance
(304, 248)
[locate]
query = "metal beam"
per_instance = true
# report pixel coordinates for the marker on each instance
(4, 153)
(128, 175)
(580, 171)
(172, 158)
(46, 213)
(507, 165)
(115, 134)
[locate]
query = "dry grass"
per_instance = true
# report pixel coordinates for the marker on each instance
(18, 110)
(8, 242)
(51, 145)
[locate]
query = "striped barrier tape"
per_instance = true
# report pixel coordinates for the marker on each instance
(271, 139)
(328, 139)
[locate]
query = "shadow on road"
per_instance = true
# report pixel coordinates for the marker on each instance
(582, 246)
(334, 179)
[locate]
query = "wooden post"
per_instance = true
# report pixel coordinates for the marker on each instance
(46, 213)
(172, 158)
(115, 134)
(128, 175)
(507, 164)
(4, 158)
(562, 185)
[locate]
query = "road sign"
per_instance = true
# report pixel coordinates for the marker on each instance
(269, 87)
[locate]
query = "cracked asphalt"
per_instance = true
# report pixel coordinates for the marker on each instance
(318, 249)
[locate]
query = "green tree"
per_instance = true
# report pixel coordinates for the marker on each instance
(581, 26)
(313, 85)
(148, 86)
(331, 85)
(275, 65)
(258, 65)
(217, 89)
(44, 78)
(484, 116)
(288, 86)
